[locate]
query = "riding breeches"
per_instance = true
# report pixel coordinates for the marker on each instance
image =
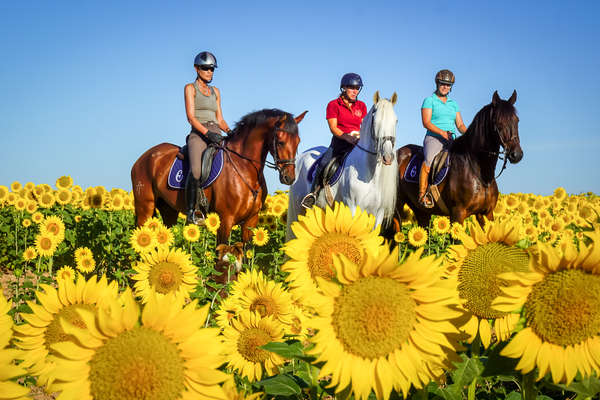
(196, 146)
(431, 147)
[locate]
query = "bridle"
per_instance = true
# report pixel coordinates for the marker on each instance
(278, 163)
(379, 141)
(503, 154)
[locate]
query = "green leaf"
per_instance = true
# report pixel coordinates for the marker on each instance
(466, 371)
(286, 350)
(280, 385)
(514, 396)
(588, 387)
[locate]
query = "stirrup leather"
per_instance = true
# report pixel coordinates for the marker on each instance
(426, 200)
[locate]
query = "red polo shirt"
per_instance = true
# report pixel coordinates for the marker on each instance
(348, 119)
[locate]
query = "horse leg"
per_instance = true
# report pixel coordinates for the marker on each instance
(224, 230)
(247, 226)
(458, 215)
(169, 215)
(481, 220)
(144, 205)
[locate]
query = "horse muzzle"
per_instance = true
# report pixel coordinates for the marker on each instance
(515, 155)
(388, 158)
(286, 178)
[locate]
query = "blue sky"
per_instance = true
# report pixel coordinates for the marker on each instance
(87, 87)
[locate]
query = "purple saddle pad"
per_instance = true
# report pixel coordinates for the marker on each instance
(336, 175)
(414, 168)
(180, 169)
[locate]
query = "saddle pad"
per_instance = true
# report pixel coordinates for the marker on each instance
(414, 168)
(180, 169)
(336, 175)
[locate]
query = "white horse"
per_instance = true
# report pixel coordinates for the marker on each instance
(370, 176)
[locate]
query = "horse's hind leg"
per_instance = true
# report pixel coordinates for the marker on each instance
(169, 215)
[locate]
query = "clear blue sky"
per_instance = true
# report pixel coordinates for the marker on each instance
(86, 87)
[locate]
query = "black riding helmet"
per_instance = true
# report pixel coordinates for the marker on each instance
(206, 58)
(351, 79)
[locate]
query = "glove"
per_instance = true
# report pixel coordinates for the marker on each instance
(213, 137)
(353, 140)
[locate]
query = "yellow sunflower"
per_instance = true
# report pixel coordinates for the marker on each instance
(320, 234)
(191, 233)
(441, 225)
(386, 326)
(46, 200)
(260, 237)
(165, 271)
(164, 237)
(81, 252)
(20, 204)
(26, 223)
(3, 193)
(63, 196)
(560, 193)
(66, 272)
(243, 338)
(399, 237)
(31, 207)
(29, 254)
(8, 369)
(268, 298)
(456, 230)
(54, 226)
(227, 310)
(417, 236)
(37, 217)
(16, 186)
(43, 327)
(233, 393)
(142, 240)
(64, 182)
(86, 264)
(213, 222)
(247, 281)
(560, 300)
(477, 262)
(153, 223)
(164, 353)
(45, 244)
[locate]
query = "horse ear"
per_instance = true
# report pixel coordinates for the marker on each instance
(376, 97)
(394, 98)
(513, 98)
(300, 117)
(495, 98)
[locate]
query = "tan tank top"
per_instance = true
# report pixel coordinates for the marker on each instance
(205, 107)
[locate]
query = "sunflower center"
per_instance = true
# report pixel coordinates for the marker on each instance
(478, 283)
(165, 277)
(320, 261)
(54, 332)
(137, 364)
(46, 243)
(249, 343)
(144, 240)
(374, 316)
(564, 308)
(263, 306)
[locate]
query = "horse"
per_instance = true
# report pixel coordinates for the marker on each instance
(469, 186)
(369, 176)
(238, 193)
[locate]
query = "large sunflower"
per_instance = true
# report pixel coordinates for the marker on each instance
(165, 271)
(560, 301)
(8, 370)
(168, 355)
(387, 326)
(54, 226)
(483, 254)
(143, 239)
(243, 338)
(269, 298)
(43, 327)
(320, 234)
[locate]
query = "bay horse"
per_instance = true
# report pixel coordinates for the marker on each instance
(470, 185)
(237, 195)
(369, 176)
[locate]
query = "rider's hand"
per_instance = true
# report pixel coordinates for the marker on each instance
(213, 137)
(353, 140)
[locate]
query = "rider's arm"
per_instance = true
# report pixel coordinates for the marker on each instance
(190, 94)
(460, 125)
(426, 119)
(222, 124)
(333, 127)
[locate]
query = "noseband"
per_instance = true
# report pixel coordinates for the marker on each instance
(503, 154)
(380, 141)
(278, 163)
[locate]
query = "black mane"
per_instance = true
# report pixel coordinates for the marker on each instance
(253, 119)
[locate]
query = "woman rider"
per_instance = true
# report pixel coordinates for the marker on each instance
(203, 110)
(344, 116)
(439, 115)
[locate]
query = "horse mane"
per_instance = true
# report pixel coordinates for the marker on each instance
(253, 119)
(476, 132)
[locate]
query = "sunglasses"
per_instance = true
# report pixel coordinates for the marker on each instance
(353, 87)
(207, 68)
(445, 84)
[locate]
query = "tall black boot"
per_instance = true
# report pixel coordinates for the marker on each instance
(311, 198)
(192, 185)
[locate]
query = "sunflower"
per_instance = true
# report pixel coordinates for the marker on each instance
(164, 237)
(227, 310)
(167, 355)
(64, 196)
(8, 369)
(86, 264)
(260, 237)
(559, 299)
(43, 327)
(20, 204)
(477, 262)
(82, 252)
(233, 393)
(54, 226)
(247, 281)
(16, 186)
(243, 338)
(37, 217)
(399, 237)
(3, 192)
(321, 234)
(153, 223)
(66, 272)
(46, 200)
(165, 271)
(417, 236)
(441, 225)
(268, 298)
(29, 254)
(278, 208)
(386, 326)
(64, 182)
(116, 202)
(560, 193)
(45, 244)
(142, 240)
(212, 222)
(191, 233)
(26, 223)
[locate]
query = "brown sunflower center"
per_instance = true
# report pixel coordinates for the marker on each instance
(55, 333)
(249, 343)
(137, 364)
(165, 277)
(374, 316)
(144, 239)
(45, 243)
(478, 283)
(320, 261)
(564, 308)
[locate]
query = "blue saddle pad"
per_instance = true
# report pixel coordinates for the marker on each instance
(180, 169)
(414, 167)
(336, 175)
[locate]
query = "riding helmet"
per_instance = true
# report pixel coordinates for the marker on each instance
(444, 76)
(206, 58)
(351, 79)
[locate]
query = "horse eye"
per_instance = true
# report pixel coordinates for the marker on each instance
(280, 144)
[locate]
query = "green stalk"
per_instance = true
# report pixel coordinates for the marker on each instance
(528, 389)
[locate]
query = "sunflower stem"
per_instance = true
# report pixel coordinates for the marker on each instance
(528, 386)
(421, 394)
(476, 346)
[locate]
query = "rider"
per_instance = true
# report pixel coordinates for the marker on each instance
(439, 115)
(344, 116)
(203, 110)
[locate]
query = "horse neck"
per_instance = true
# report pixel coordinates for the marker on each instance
(251, 144)
(482, 146)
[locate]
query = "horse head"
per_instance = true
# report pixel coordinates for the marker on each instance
(506, 125)
(383, 127)
(284, 146)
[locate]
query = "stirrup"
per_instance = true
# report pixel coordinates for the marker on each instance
(309, 200)
(195, 217)
(425, 200)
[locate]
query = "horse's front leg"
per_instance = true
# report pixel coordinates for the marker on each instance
(247, 226)
(458, 214)
(224, 230)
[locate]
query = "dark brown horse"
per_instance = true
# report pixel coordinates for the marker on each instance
(239, 192)
(470, 186)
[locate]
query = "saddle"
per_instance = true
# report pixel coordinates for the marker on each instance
(212, 165)
(438, 171)
(208, 157)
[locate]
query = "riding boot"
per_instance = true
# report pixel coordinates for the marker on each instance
(424, 197)
(192, 186)
(311, 198)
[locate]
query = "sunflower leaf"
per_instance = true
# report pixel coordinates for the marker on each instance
(286, 350)
(280, 385)
(588, 387)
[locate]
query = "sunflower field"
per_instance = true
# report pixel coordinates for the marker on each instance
(92, 307)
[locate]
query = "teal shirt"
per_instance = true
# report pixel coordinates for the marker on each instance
(442, 114)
